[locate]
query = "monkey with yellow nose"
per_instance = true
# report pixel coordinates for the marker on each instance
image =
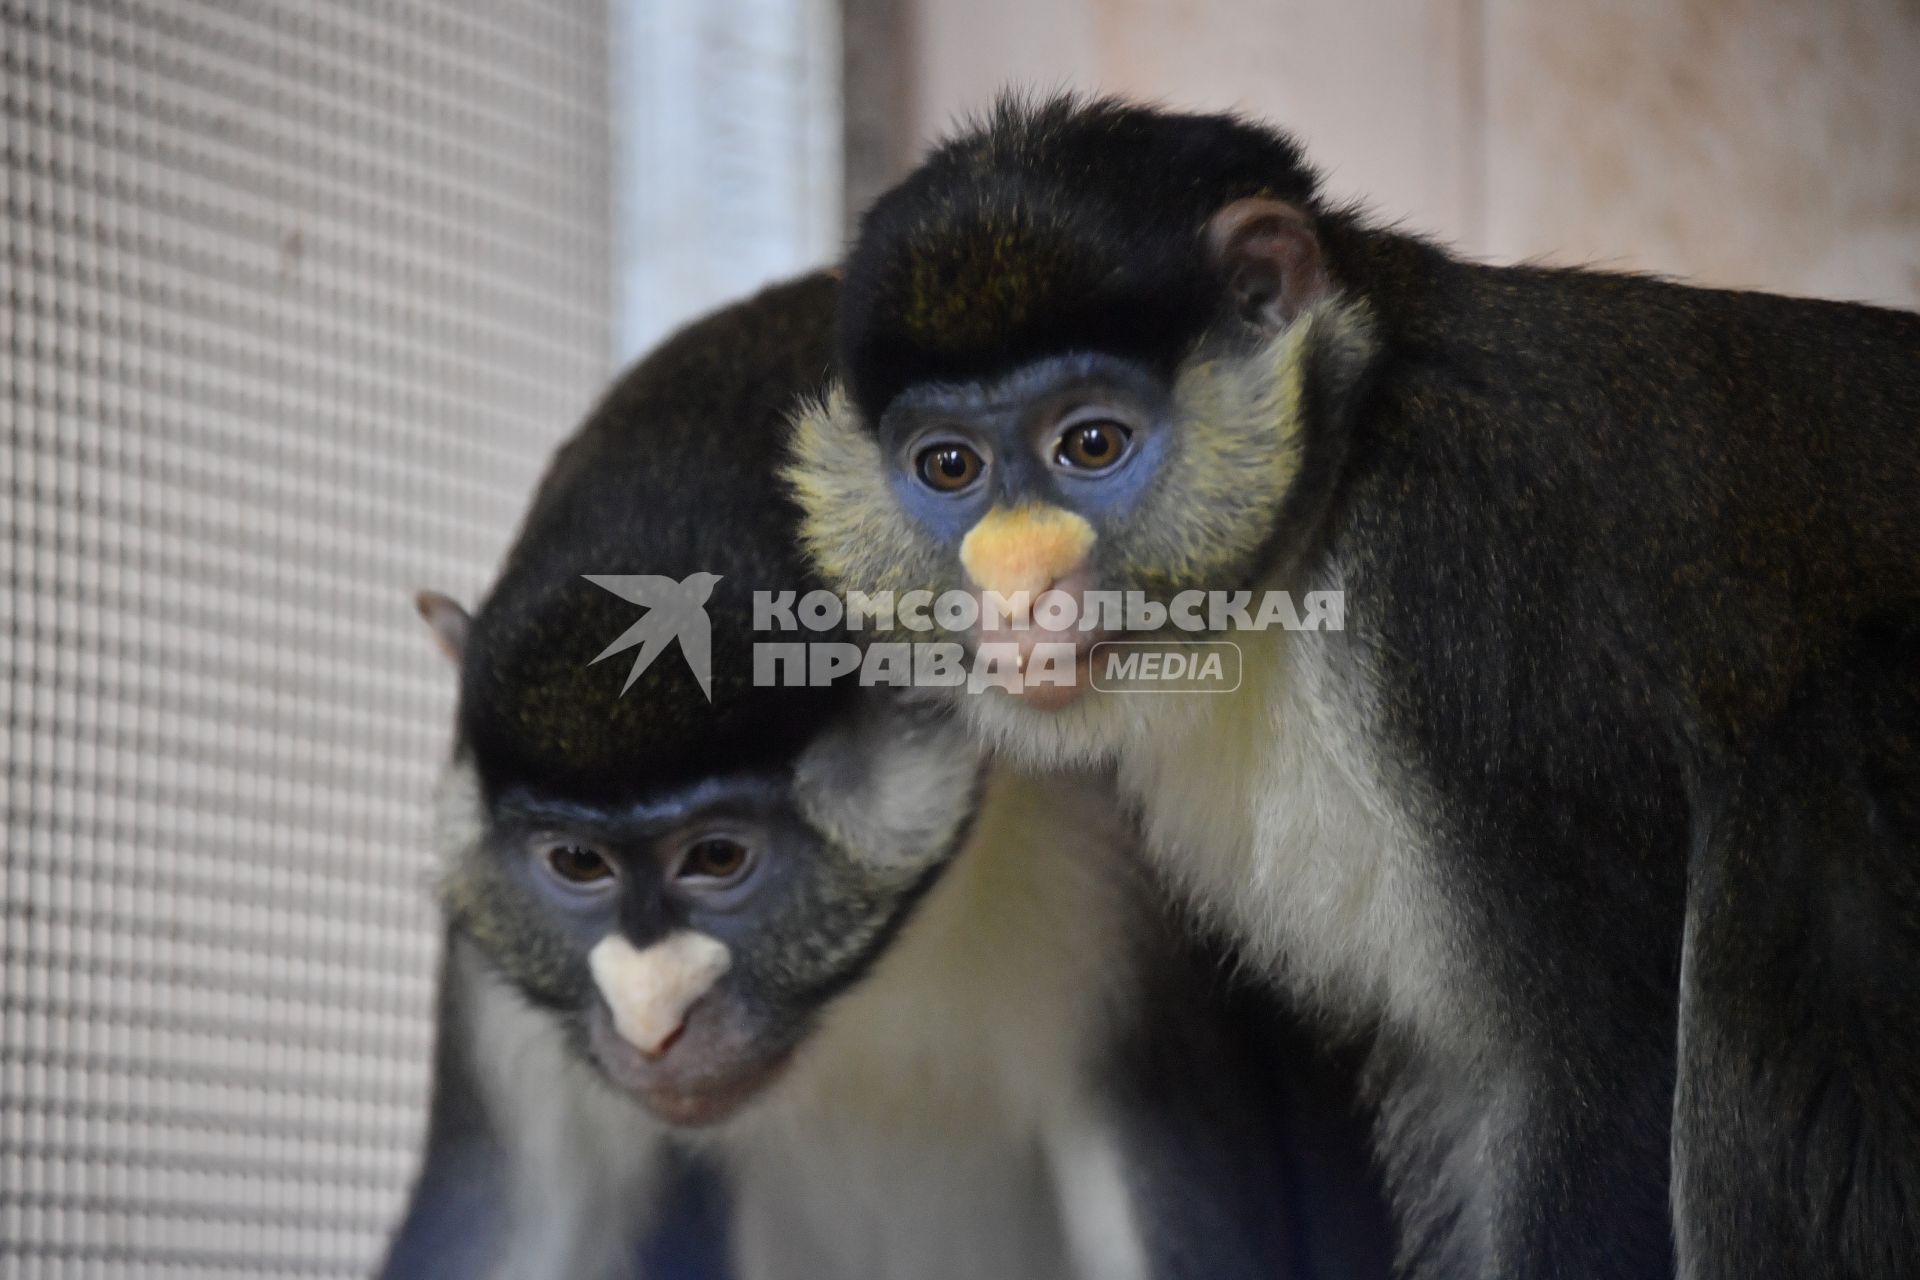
(1602, 808)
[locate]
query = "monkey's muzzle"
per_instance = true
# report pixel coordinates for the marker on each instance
(1029, 567)
(668, 1032)
(1020, 553)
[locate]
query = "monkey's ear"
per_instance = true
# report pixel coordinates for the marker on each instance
(1268, 254)
(448, 621)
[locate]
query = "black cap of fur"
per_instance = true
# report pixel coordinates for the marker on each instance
(673, 474)
(1052, 226)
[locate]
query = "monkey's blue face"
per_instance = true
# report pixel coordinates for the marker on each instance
(677, 911)
(1083, 434)
(692, 937)
(1073, 497)
(714, 858)
(1028, 483)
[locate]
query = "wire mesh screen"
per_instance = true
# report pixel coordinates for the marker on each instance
(298, 296)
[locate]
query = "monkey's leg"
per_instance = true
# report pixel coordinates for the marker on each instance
(1281, 1185)
(1797, 1120)
(1517, 1173)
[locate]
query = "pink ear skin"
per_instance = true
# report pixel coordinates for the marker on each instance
(1269, 255)
(448, 622)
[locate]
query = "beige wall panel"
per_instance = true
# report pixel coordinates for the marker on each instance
(1379, 92)
(1376, 91)
(1766, 143)
(1769, 143)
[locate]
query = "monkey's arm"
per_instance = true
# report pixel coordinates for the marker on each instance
(1797, 1122)
(534, 1170)
(459, 1206)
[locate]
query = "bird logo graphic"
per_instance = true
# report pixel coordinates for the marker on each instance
(674, 610)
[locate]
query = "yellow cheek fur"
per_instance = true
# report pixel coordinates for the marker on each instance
(1026, 549)
(1240, 423)
(853, 528)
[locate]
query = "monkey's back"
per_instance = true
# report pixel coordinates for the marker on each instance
(1715, 484)
(1595, 533)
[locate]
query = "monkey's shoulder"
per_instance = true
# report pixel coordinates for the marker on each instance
(1537, 332)
(1557, 426)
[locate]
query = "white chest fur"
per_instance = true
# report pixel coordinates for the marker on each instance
(936, 1123)
(1266, 805)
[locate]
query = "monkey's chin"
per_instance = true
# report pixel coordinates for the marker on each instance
(1054, 697)
(684, 1087)
(1041, 695)
(1084, 728)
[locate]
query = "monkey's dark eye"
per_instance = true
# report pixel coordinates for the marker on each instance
(578, 864)
(948, 467)
(1092, 446)
(714, 858)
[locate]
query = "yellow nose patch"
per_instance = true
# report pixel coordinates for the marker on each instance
(1026, 549)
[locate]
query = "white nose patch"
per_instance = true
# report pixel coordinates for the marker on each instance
(650, 991)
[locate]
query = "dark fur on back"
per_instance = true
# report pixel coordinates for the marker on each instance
(1023, 238)
(532, 707)
(1632, 574)
(1602, 531)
